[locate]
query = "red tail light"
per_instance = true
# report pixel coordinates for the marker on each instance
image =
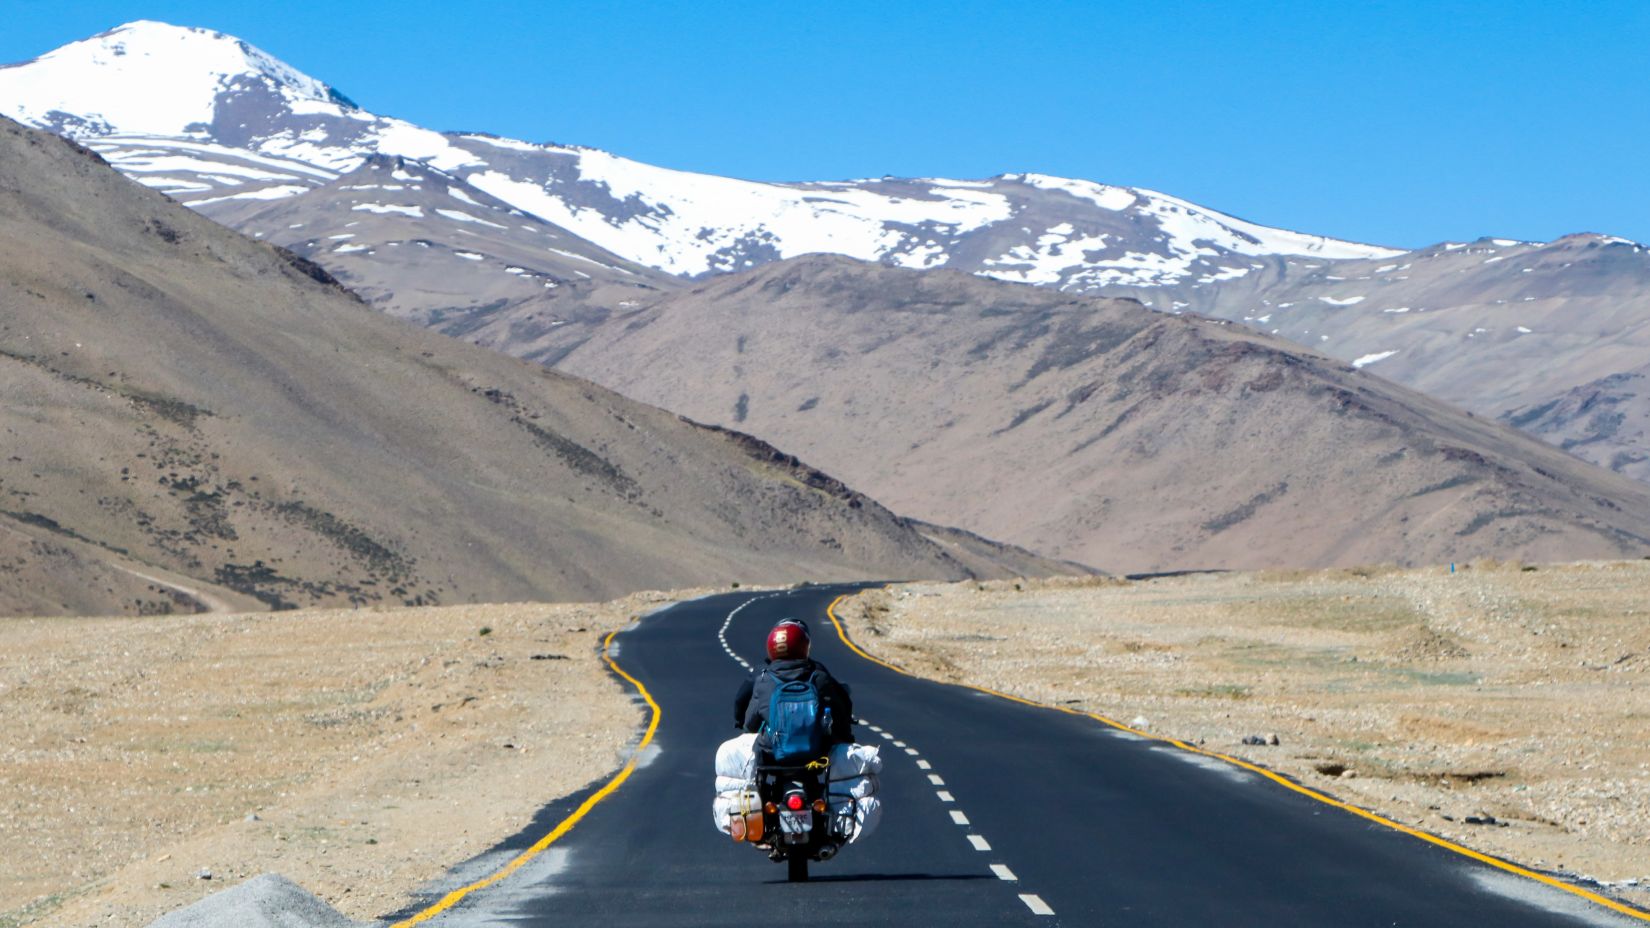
(794, 802)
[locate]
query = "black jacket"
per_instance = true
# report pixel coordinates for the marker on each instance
(750, 705)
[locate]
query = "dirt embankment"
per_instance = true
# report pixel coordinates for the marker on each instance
(1502, 706)
(358, 752)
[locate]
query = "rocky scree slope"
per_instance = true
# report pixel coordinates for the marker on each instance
(1100, 431)
(183, 402)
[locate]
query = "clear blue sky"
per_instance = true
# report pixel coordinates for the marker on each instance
(1402, 123)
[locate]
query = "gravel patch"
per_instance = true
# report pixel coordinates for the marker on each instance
(266, 901)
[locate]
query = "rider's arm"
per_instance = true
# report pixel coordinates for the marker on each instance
(761, 690)
(741, 702)
(842, 721)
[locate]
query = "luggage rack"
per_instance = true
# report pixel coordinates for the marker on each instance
(820, 765)
(841, 810)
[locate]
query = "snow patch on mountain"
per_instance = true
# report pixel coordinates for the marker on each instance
(133, 149)
(394, 137)
(262, 193)
(1186, 221)
(457, 216)
(413, 212)
(689, 223)
(1101, 195)
(1055, 252)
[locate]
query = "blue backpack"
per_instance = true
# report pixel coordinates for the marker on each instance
(796, 723)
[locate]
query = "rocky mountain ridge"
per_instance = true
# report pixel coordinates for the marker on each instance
(534, 246)
(1097, 430)
(197, 420)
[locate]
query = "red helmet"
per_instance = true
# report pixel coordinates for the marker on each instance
(788, 641)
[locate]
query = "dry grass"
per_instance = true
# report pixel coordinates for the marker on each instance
(1502, 690)
(375, 748)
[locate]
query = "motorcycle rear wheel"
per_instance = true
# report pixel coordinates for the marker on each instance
(796, 868)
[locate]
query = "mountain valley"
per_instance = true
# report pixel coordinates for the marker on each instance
(530, 247)
(614, 270)
(197, 419)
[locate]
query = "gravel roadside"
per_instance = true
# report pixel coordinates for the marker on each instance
(1502, 706)
(149, 762)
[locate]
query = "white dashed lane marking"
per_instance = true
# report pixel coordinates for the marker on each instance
(978, 842)
(722, 633)
(1036, 904)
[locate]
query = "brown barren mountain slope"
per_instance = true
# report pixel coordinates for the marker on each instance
(182, 398)
(1099, 431)
(1605, 420)
(1526, 332)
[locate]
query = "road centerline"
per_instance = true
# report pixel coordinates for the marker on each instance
(1036, 904)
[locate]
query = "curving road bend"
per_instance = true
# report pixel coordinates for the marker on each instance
(996, 813)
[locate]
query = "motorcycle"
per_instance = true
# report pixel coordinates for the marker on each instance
(797, 818)
(798, 814)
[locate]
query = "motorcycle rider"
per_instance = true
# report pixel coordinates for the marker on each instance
(788, 661)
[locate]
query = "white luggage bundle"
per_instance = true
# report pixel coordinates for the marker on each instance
(735, 782)
(736, 759)
(851, 786)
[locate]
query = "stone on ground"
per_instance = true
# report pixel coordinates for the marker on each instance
(266, 901)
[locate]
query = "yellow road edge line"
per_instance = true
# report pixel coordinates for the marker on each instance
(565, 825)
(1280, 779)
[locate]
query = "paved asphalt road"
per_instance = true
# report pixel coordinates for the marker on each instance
(996, 814)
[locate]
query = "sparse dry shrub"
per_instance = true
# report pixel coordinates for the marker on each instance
(1285, 575)
(1288, 575)
(1092, 582)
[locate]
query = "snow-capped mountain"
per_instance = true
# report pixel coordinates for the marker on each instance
(532, 248)
(212, 121)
